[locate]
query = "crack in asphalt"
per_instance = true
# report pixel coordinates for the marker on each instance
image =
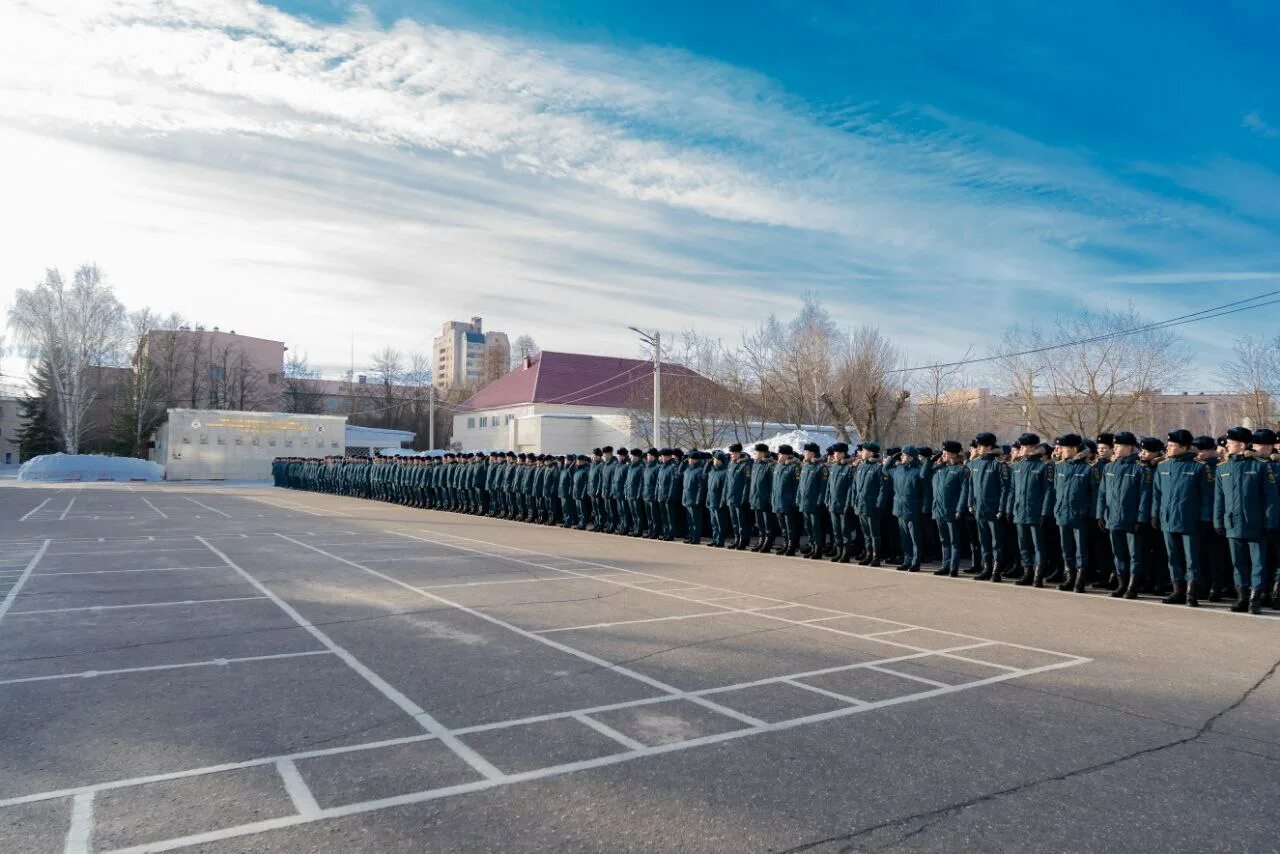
(934, 816)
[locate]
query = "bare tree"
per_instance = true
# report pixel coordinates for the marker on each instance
(869, 394)
(948, 407)
(302, 392)
(1254, 374)
(524, 347)
(1089, 372)
(73, 329)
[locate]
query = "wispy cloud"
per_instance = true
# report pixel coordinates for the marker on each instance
(1253, 121)
(354, 165)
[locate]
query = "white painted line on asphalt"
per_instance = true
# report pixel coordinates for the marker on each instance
(844, 698)
(585, 656)
(115, 571)
(882, 634)
(68, 510)
(609, 732)
(977, 661)
(141, 605)
(281, 504)
(557, 580)
(213, 662)
(80, 834)
(935, 683)
(552, 771)
(22, 579)
(161, 513)
(138, 553)
(634, 572)
(36, 509)
(207, 507)
(634, 622)
(426, 721)
(303, 801)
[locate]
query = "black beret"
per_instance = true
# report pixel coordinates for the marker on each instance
(951, 446)
(1152, 444)
(986, 440)
(1026, 440)
(813, 446)
(785, 449)
(653, 452)
(1264, 436)
(840, 448)
(637, 453)
(622, 452)
(1124, 437)
(1222, 441)
(893, 452)
(873, 447)
(1240, 434)
(583, 458)
(1204, 443)
(607, 449)
(676, 452)
(1106, 439)
(761, 446)
(597, 451)
(735, 448)
(1091, 445)
(925, 451)
(1181, 437)
(1069, 440)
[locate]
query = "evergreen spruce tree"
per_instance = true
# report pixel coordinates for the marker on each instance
(39, 434)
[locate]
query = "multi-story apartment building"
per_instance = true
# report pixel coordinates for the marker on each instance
(465, 356)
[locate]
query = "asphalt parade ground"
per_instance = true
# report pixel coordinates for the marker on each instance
(222, 669)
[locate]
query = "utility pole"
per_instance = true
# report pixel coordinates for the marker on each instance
(654, 340)
(431, 418)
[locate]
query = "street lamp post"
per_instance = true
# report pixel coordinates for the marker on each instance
(654, 340)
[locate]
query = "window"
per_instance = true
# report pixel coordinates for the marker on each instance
(272, 379)
(484, 421)
(217, 372)
(471, 424)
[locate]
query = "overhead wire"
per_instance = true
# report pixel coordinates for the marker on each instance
(1181, 320)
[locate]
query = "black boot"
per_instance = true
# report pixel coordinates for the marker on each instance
(1242, 602)
(866, 558)
(1056, 576)
(988, 570)
(875, 560)
(942, 570)
(1118, 591)
(1038, 577)
(1275, 596)
(1193, 598)
(1131, 592)
(1068, 582)
(1027, 578)
(1178, 596)
(1255, 602)
(1079, 586)
(846, 554)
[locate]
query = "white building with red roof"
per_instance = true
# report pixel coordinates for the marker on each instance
(558, 403)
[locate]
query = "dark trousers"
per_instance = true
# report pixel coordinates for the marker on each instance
(765, 525)
(909, 537)
(638, 521)
(1075, 546)
(1184, 556)
(839, 527)
(693, 516)
(813, 529)
(670, 518)
(657, 520)
(740, 520)
(949, 542)
(716, 515)
(871, 531)
(1126, 547)
(789, 526)
(1249, 557)
(1030, 544)
(1215, 558)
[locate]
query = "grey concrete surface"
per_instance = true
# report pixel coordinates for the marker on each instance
(225, 669)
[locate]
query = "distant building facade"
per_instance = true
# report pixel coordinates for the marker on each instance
(465, 356)
(10, 425)
(211, 369)
(556, 403)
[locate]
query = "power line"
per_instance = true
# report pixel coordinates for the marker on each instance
(1194, 317)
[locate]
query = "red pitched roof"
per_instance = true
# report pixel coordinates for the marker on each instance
(574, 378)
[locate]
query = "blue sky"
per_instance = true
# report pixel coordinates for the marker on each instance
(316, 170)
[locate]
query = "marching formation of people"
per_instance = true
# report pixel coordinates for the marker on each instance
(1187, 518)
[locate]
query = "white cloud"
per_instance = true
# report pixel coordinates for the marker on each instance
(233, 161)
(1254, 122)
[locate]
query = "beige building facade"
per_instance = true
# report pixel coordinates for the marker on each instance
(465, 356)
(10, 424)
(212, 369)
(219, 444)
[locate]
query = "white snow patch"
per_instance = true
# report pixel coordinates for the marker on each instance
(89, 467)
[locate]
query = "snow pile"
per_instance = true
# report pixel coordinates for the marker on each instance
(797, 439)
(62, 468)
